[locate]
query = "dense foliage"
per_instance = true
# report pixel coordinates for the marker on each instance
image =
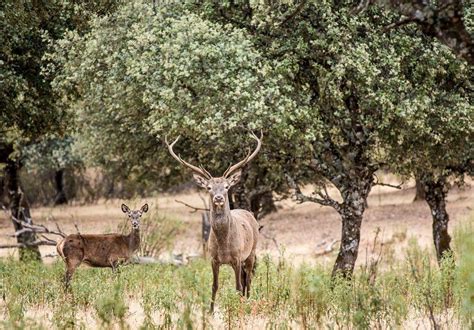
(173, 73)
(337, 97)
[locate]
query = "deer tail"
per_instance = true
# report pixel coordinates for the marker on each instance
(60, 247)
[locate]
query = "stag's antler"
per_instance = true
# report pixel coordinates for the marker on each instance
(199, 170)
(248, 158)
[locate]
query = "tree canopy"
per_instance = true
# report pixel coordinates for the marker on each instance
(338, 96)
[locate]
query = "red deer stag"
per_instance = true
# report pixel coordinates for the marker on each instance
(106, 250)
(234, 233)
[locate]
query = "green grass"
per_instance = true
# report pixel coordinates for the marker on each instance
(283, 296)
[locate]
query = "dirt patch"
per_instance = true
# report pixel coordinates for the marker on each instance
(304, 231)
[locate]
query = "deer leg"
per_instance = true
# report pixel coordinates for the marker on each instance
(249, 266)
(71, 266)
(114, 264)
(238, 280)
(244, 279)
(215, 282)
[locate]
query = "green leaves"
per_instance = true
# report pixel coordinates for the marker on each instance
(210, 72)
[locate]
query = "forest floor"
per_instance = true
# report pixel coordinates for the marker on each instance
(306, 232)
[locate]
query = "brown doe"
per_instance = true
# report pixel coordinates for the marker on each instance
(234, 233)
(102, 250)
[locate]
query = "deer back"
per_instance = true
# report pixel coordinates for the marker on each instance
(96, 250)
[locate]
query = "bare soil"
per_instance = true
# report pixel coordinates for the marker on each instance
(303, 232)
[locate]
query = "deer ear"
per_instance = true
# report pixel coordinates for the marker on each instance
(125, 208)
(201, 181)
(234, 178)
(144, 208)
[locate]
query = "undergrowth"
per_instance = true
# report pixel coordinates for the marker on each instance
(283, 296)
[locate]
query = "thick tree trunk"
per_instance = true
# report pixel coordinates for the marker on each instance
(352, 209)
(60, 197)
(20, 211)
(260, 204)
(436, 190)
(420, 191)
(252, 195)
(349, 248)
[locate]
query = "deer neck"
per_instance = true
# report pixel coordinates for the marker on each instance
(221, 220)
(134, 239)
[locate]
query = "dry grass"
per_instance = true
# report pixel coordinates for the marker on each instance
(304, 231)
(301, 231)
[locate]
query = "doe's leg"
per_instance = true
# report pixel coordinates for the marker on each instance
(244, 279)
(71, 266)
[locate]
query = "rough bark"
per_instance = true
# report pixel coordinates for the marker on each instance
(352, 209)
(20, 210)
(436, 190)
(420, 191)
(60, 197)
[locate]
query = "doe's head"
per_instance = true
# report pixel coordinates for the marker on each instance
(218, 186)
(135, 215)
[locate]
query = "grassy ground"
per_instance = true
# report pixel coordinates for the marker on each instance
(397, 282)
(411, 292)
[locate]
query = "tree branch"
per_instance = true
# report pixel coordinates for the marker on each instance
(195, 209)
(325, 200)
(378, 183)
(398, 24)
(444, 22)
(289, 17)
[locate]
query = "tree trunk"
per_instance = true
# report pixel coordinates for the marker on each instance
(252, 195)
(354, 195)
(260, 204)
(436, 190)
(349, 248)
(420, 191)
(59, 184)
(20, 210)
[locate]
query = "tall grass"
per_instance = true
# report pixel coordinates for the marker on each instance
(407, 293)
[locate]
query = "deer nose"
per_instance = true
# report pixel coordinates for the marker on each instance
(218, 199)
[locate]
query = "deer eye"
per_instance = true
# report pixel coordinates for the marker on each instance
(226, 187)
(209, 188)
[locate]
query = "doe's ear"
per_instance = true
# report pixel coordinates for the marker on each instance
(234, 178)
(144, 208)
(200, 180)
(125, 208)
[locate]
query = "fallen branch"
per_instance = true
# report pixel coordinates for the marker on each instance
(22, 245)
(27, 226)
(329, 248)
(38, 229)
